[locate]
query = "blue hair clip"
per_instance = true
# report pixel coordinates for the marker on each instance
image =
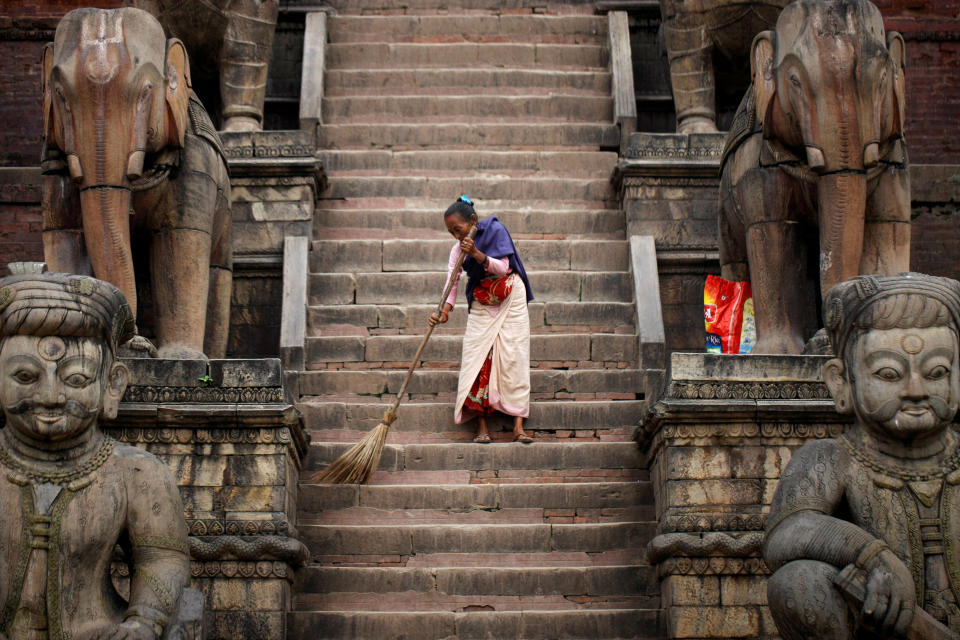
(465, 199)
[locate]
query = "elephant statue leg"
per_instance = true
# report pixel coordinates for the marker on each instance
(179, 288)
(689, 52)
(221, 279)
(886, 234)
(64, 249)
(776, 255)
(245, 56)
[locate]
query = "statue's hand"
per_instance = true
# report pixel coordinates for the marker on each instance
(891, 597)
(129, 630)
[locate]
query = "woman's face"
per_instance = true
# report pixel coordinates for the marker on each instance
(457, 226)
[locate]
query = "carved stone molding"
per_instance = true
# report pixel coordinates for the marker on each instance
(712, 566)
(748, 430)
(209, 527)
(224, 569)
(707, 554)
(276, 435)
(750, 390)
(253, 548)
(164, 394)
(704, 545)
(702, 522)
(245, 570)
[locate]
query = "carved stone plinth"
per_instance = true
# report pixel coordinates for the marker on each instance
(235, 445)
(275, 181)
(668, 186)
(718, 440)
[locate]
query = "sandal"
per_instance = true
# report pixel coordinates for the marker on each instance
(522, 437)
(483, 438)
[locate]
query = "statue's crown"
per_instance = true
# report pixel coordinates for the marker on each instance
(844, 303)
(60, 304)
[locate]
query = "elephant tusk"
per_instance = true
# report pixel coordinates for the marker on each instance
(73, 164)
(135, 165)
(815, 158)
(871, 155)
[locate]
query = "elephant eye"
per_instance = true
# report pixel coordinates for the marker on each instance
(795, 81)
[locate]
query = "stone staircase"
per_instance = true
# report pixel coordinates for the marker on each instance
(452, 539)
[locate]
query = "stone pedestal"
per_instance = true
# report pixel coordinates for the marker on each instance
(235, 444)
(275, 180)
(718, 440)
(669, 188)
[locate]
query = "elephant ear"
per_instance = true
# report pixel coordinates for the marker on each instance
(761, 70)
(177, 92)
(898, 62)
(48, 125)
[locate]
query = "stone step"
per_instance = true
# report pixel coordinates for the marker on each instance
(436, 601)
(475, 559)
(498, 538)
(545, 136)
(315, 498)
(609, 342)
(601, 624)
(405, 287)
(576, 29)
(592, 317)
(620, 384)
(362, 414)
(638, 579)
(477, 186)
(399, 55)
(439, 457)
(475, 516)
(332, 223)
(353, 256)
(460, 81)
(468, 162)
(496, 7)
(545, 348)
(467, 108)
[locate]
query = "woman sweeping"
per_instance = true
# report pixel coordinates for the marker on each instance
(495, 366)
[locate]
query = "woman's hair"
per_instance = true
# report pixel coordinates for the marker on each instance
(463, 208)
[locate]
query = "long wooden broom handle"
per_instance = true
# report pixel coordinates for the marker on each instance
(423, 343)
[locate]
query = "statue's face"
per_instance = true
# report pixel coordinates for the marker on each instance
(906, 380)
(51, 387)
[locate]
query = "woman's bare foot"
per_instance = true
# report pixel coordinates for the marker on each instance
(483, 436)
(518, 433)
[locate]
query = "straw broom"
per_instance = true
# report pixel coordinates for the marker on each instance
(362, 459)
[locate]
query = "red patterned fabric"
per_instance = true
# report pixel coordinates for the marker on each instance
(493, 290)
(478, 400)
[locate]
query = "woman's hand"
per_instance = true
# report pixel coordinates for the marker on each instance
(468, 247)
(440, 317)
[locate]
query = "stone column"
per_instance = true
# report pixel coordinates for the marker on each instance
(718, 440)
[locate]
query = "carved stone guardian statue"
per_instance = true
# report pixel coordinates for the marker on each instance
(68, 493)
(864, 530)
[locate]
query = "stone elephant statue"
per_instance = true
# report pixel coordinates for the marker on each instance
(816, 157)
(132, 161)
(229, 42)
(697, 33)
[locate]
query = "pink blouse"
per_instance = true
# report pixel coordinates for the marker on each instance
(495, 266)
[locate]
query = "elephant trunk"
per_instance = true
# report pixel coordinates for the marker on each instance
(842, 203)
(106, 229)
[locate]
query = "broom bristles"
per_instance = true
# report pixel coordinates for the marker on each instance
(358, 463)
